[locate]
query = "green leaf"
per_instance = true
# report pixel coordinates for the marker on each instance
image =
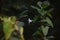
(7, 28)
(42, 12)
(39, 3)
(45, 29)
(49, 22)
(49, 14)
(13, 19)
(37, 32)
(45, 4)
(21, 33)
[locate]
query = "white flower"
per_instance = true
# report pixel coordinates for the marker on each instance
(29, 20)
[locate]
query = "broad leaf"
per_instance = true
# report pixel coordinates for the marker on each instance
(45, 30)
(7, 28)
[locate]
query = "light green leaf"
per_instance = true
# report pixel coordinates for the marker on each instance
(7, 28)
(39, 3)
(49, 22)
(45, 29)
(13, 19)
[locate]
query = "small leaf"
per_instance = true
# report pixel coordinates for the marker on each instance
(39, 3)
(41, 12)
(34, 7)
(22, 13)
(48, 14)
(13, 19)
(37, 32)
(45, 4)
(45, 30)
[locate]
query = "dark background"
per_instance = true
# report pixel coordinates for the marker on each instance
(56, 17)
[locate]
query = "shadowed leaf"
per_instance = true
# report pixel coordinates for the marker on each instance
(49, 22)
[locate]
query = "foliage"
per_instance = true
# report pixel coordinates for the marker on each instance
(46, 22)
(13, 28)
(10, 25)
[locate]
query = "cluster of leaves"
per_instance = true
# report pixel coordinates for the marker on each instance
(46, 22)
(10, 25)
(9, 17)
